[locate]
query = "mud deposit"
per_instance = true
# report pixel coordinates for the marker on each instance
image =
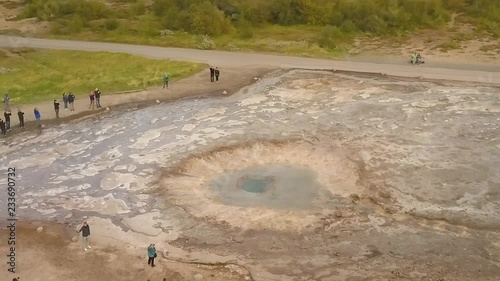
(302, 176)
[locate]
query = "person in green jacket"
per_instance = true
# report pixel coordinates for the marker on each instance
(165, 80)
(151, 255)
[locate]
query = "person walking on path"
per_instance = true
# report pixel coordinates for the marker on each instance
(7, 115)
(6, 101)
(165, 80)
(65, 101)
(71, 100)
(2, 127)
(20, 114)
(85, 230)
(38, 116)
(151, 255)
(212, 74)
(97, 94)
(217, 73)
(92, 100)
(56, 108)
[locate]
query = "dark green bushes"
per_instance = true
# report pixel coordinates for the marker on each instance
(218, 17)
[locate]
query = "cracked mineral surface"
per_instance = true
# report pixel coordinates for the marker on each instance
(302, 176)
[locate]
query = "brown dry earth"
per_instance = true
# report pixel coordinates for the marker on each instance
(51, 255)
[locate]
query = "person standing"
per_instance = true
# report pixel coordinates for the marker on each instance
(56, 108)
(2, 127)
(20, 114)
(212, 74)
(71, 100)
(151, 255)
(6, 101)
(217, 73)
(65, 101)
(85, 230)
(38, 116)
(92, 100)
(165, 80)
(97, 94)
(7, 115)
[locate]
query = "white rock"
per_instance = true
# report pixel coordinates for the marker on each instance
(107, 108)
(74, 239)
(224, 93)
(198, 277)
(39, 229)
(365, 156)
(157, 101)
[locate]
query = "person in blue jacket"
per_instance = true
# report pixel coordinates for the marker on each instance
(151, 255)
(38, 116)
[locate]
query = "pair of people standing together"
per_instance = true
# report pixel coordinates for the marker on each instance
(95, 99)
(214, 74)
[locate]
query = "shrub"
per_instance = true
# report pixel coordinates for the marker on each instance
(205, 42)
(111, 24)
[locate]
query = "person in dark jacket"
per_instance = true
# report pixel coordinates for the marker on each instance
(92, 100)
(217, 73)
(85, 230)
(2, 127)
(56, 108)
(151, 255)
(7, 115)
(71, 100)
(97, 95)
(65, 101)
(212, 74)
(20, 114)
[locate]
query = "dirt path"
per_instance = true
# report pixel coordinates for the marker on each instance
(232, 79)
(487, 74)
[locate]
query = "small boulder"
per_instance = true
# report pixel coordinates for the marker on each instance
(74, 239)
(107, 108)
(224, 93)
(39, 229)
(198, 277)
(157, 101)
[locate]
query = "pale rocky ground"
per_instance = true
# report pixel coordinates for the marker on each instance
(362, 177)
(402, 179)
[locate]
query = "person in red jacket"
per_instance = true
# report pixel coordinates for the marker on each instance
(92, 100)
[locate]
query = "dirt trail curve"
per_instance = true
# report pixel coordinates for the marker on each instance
(234, 59)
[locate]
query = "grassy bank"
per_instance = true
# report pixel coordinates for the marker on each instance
(33, 76)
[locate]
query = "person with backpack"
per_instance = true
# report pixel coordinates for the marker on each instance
(217, 73)
(97, 94)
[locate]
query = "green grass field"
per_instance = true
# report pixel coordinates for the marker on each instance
(32, 76)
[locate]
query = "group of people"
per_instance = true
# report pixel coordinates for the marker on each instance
(416, 58)
(68, 101)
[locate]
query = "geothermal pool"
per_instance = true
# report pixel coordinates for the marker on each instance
(343, 169)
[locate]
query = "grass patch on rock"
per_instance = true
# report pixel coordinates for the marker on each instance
(32, 76)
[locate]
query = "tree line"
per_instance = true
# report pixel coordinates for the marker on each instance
(219, 17)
